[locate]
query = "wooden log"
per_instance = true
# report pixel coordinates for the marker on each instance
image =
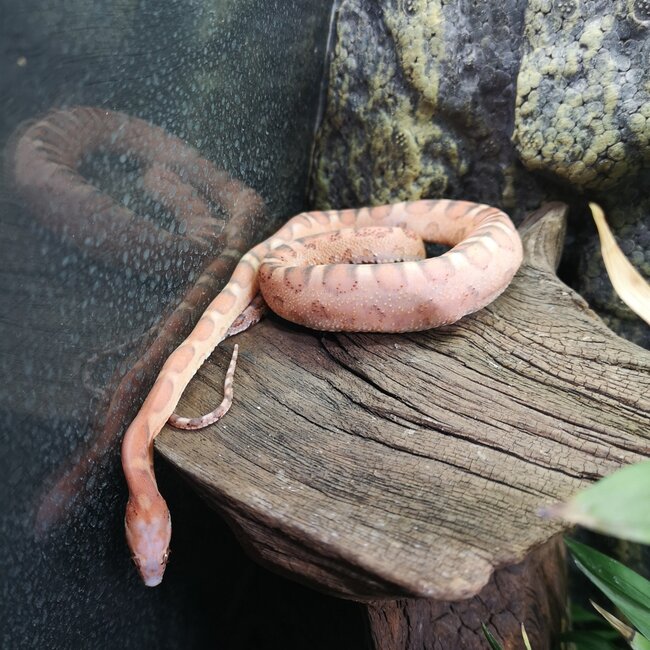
(532, 593)
(413, 466)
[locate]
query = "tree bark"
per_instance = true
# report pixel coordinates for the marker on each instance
(531, 593)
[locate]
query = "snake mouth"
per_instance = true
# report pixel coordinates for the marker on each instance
(152, 581)
(152, 572)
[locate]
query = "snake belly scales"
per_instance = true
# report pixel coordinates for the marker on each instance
(358, 270)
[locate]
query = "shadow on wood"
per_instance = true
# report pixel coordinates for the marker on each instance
(413, 466)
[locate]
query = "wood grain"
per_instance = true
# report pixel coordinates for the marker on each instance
(414, 465)
(532, 593)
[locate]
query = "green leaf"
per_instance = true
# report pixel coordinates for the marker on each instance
(634, 639)
(494, 644)
(629, 591)
(639, 642)
(617, 505)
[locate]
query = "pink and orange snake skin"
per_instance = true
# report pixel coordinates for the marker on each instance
(342, 270)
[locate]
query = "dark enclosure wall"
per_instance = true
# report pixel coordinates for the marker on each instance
(87, 280)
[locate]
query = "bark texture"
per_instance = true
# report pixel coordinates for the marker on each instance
(388, 465)
(532, 593)
(412, 467)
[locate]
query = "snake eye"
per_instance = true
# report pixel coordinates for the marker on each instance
(166, 557)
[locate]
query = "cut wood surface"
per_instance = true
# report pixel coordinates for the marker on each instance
(383, 466)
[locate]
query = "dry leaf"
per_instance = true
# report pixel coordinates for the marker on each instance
(633, 290)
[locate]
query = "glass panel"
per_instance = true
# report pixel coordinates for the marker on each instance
(141, 142)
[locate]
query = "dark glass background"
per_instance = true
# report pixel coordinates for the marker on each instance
(239, 80)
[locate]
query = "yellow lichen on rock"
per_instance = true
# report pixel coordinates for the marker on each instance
(419, 43)
(570, 81)
(403, 151)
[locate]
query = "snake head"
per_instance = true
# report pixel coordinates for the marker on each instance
(148, 532)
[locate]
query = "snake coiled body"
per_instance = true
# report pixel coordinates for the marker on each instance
(333, 271)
